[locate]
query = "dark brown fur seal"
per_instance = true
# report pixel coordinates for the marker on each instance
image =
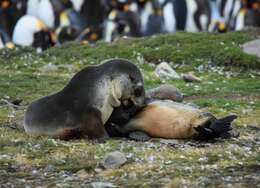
(81, 109)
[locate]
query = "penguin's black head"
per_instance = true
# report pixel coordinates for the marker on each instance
(90, 35)
(141, 3)
(67, 4)
(61, 5)
(42, 40)
(67, 33)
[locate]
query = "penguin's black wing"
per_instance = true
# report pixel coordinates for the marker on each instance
(216, 128)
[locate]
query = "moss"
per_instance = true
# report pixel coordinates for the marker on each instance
(224, 90)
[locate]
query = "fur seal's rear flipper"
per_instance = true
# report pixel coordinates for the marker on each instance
(139, 136)
(216, 129)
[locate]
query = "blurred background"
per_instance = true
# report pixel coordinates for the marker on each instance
(45, 23)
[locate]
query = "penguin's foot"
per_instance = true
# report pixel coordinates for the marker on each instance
(139, 136)
(218, 128)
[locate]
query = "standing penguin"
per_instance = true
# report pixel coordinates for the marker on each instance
(155, 23)
(49, 11)
(93, 12)
(248, 15)
(122, 21)
(217, 22)
(10, 12)
(71, 25)
(198, 15)
(30, 31)
(229, 9)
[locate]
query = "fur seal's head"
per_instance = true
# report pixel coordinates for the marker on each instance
(128, 81)
(133, 91)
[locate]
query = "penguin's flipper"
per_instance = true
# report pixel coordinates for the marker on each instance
(216, 128)
(222, 125)
(139, 136)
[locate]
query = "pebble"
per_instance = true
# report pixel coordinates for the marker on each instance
(170, 141)
(165, 91)
(252, 47)
(49, 68)
(102, 185)
(165, 72)
(190, 78)
(82, 174)
(114, 160)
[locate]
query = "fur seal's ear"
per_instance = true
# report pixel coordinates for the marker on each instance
(116, 93)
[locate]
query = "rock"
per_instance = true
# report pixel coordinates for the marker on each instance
(82, 174)
(252, 47)
(114, 160)
(70, 68)
(165, 91)
(190, 78)
(49, 168)
(102, 184)
(165, 71)
(49, 68)
(170, 141)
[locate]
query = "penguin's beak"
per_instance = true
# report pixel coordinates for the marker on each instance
(10, 45)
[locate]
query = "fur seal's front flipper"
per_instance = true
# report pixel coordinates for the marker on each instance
(215, 129)
(139, 136)
(90, 127)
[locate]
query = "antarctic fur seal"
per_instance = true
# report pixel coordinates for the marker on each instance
(83, 106)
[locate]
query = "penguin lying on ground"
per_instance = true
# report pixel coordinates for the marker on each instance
(81, 109)
(167, 119)
(30, 31)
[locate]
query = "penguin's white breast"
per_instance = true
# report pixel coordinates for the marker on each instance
(191, 9)
(46, 13)
(24, 30)
(1, 43)
(169, 18)
(77, 4)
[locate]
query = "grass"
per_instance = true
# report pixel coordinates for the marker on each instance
(232, 85)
